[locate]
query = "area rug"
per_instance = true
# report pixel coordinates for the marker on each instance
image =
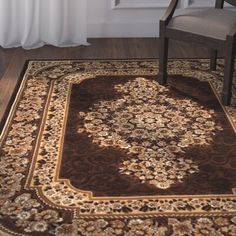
(99, 148)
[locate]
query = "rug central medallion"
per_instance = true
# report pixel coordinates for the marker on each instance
(154, 128)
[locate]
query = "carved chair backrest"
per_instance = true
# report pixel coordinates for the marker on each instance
(220, 3)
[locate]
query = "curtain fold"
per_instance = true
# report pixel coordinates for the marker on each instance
(33, 23)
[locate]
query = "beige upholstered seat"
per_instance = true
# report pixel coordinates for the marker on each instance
(214, 28)
(216, 23)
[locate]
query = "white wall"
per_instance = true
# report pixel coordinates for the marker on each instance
(132, 18)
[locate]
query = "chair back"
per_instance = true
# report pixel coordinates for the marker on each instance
(220, 3)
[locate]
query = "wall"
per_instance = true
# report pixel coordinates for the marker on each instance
(132, 18)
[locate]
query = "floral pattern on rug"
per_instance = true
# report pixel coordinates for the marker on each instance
(25, 211)
(138, 125)
(151, 227)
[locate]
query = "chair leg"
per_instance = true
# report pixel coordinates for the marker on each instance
(162, 78)
(213, 59)
(228, 76)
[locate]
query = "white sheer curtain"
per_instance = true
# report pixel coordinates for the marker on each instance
(33, 23)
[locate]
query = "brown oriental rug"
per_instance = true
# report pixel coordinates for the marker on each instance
(99, 148)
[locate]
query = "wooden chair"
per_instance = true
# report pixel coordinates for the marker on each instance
(215, 28)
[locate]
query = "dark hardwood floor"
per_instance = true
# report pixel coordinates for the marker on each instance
(12, 60)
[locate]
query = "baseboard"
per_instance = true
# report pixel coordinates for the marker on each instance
(123, 29)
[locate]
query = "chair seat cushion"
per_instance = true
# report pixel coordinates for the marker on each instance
(216, 23)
